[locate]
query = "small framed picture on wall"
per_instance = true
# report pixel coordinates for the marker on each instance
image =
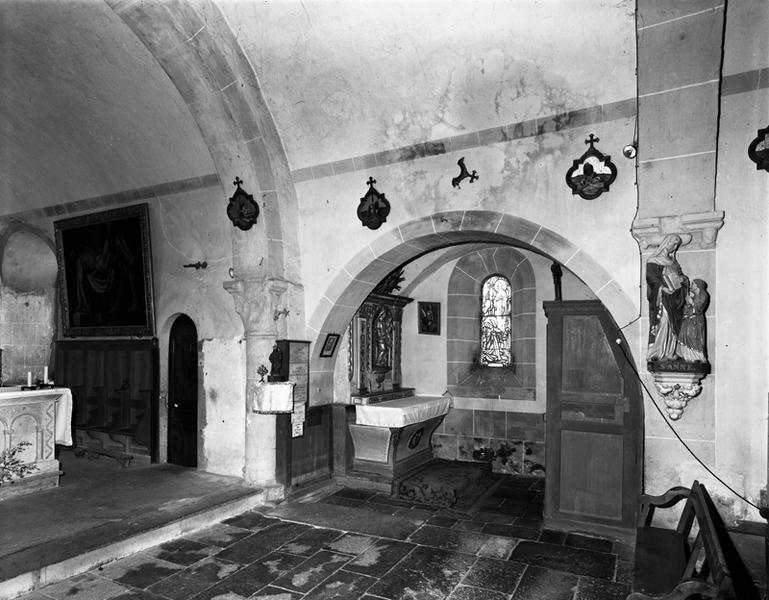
(329, 345)
(429, 318)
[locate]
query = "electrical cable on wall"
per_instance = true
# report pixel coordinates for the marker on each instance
(763, 511)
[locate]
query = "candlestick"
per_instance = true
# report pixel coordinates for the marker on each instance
(29, 378)
(45, 374)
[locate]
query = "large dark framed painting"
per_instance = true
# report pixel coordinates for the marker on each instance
(106, 273)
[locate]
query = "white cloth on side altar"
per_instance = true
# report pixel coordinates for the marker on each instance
(403, 411)
(63, 421)
(62, 408)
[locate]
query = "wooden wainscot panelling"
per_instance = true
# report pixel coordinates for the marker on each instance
(114, 387)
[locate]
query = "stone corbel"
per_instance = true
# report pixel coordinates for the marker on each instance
(677, 382)
(697, 230)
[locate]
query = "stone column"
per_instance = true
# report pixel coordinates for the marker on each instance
(258, 301)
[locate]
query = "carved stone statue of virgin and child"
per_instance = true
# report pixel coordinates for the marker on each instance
(677, 308)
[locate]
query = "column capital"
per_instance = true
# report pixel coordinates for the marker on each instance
(257, 301)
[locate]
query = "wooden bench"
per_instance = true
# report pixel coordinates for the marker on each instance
(697, 559)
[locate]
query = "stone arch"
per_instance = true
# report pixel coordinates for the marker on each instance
(410, 240)
(197, 49)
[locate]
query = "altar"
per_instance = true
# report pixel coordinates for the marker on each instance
(390, 427)
(392, 438)
(43, 418)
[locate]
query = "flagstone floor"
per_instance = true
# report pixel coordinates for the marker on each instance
(356, 544)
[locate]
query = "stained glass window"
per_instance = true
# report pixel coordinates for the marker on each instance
(496, 322)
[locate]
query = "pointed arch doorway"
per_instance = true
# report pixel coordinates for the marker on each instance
(183, 393)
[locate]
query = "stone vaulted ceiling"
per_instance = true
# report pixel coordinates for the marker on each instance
(85, 110)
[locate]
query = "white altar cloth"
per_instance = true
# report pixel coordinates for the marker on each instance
(402, 411)
(63, 408)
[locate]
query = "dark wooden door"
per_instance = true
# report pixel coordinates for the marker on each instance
(594, 422)
(183, 393)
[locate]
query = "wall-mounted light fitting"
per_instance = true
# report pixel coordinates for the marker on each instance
(196, 265)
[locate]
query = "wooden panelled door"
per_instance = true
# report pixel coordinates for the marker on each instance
(183, 393)
(594, 422)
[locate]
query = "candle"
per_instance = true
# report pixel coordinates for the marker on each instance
(29, 378)
(45, 374)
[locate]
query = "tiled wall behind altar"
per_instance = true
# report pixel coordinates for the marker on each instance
(26, 330)
(513, 442)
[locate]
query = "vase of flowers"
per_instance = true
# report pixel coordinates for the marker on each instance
(12, 467)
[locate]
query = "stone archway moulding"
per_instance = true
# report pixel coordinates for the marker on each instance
(197, 49)
(410, 240)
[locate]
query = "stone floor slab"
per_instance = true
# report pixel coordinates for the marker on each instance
(312, 571)
(138, 570)
(544, 584)
(576, 540)
(464, 592)
(188, 582)
(513, 531)
(342, 585)
(272, 593)
(220, 535)
(563, 558)
(380, 557)
(357, 520)
(183, 552)
(498, 575)
(351, 543)
(84, 587)
(260, 544)
(469, 542)
(312, 540)
(427, 573)
(600, 589)
(248, 580)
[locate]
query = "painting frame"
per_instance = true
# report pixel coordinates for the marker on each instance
(105, 273)
(429, 318)
(329, 345)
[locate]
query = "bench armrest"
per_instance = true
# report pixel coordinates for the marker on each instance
(649, 503)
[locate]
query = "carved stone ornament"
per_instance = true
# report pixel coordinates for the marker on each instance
(698, 231)
(592, 173)
(373, 208)
(677, 382)
(758, 151)
(242, 210)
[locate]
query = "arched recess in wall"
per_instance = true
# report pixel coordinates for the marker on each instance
(410, 240)
(465, 376)
(27, 259)
(195, 46)
(28, 275)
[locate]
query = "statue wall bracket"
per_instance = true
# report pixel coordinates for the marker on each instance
(677, 381)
